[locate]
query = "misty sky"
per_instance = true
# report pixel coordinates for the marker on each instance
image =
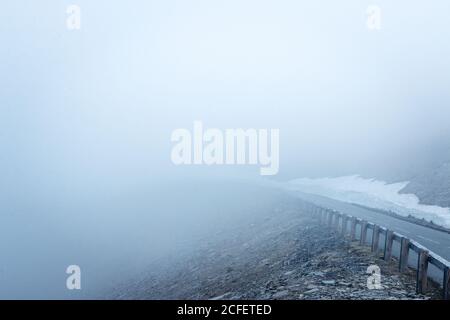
(103, 101)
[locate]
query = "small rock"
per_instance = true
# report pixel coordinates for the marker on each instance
(280, 294)
(265, 262)
(223, 296)
(311, 291)
(346, 284)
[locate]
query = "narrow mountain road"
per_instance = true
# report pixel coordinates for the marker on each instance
(434, 240)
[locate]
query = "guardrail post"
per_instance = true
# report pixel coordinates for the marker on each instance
(404, 254)
(336, 221)
(344, 224)
(388, 245)
(375, 238)
(446, 283)
(353, 229)
(422, 270)
(362, 240)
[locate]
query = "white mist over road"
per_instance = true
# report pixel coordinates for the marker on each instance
(372, 193)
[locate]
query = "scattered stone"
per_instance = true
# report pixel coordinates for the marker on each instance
(222, 296)
(280, 294)
(311, 291)
(318, 273)
(346, 284)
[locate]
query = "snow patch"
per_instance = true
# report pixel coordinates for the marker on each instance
(372, 193)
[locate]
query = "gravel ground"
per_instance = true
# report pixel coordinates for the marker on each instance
(278, 254)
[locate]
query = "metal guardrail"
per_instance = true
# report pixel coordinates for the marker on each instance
(338, 220)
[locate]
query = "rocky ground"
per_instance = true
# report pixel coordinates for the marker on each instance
(279, 254)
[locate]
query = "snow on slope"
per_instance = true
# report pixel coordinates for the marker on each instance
(372, 193)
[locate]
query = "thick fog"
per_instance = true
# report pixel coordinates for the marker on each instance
(86, 118)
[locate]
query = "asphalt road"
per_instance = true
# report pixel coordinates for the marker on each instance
(434, 240)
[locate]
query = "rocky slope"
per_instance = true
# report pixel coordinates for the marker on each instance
(279, 254)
